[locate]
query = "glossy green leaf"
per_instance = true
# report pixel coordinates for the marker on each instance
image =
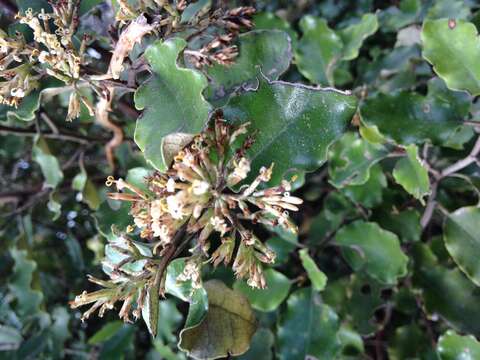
(408, 342)
(350, 160)
(354, 35)
(364, 299)
(282, 248)
(370, 193)
(172, 102)
(451, 9)
(270, 21)
(460, 308)
(406, 224)
(405, 14)
(112, 213)
(278, 286)
(48, 163)
(227, 329)
(308, 328)
(410, 118)
(452, 346)
(293, 124)
(462, 240)
(261, 346)
(453, 48)
(262, 52)
(351, 342)
(367, 247)
(411, 174)
(20, 284)
(316, 276)
(116, 347)
(106, 332)
(318, 50)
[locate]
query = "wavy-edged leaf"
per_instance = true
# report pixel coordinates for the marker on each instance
(411, 174)
(28, 300)
(278, 286)
(368, 247)
(453, 48)
(350, 160)
(462, 240)
(227, 329)
(293, 124)
(451, 9)
(261, 346)
(370, 193)
(318, 50)
(452, 346)
(460, 308)
(267, 52)
(270, 21)
(48, 163)
(354, 35)
(308, 328)
(172, 101)
(316, 276)
(410, 118)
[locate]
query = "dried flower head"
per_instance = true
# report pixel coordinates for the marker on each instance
(195, 192)
(60, 55)
(189, 203)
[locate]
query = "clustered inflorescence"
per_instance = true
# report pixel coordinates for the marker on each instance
(52, 53)
(193, 202)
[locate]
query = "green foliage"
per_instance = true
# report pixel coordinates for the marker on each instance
(295, 124)
(308, 327)
(368, 247)
(262, 52)
(266, 299)
(452, 47)
(462, 240)
(411, 174)
(454, 346)
(368, 112)
(173, 104)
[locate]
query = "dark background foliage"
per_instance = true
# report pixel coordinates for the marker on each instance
(381, 225)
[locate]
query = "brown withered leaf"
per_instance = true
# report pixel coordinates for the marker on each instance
(131, 35)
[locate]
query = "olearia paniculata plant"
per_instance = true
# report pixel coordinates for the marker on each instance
(194, 203)
(56, 51)
(206, 198)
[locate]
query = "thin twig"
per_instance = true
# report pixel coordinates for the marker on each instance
(49, 122)
(459, 165)
(471, 158)
(81, 139)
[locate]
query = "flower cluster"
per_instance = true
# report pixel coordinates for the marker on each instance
(195, 193)
(18, 80)
(52, 53)
(220, 49)
(60, 56)
(193, 203)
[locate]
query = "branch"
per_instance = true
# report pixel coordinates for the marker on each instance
(459, 165)
(81, 139)
(471, 158)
